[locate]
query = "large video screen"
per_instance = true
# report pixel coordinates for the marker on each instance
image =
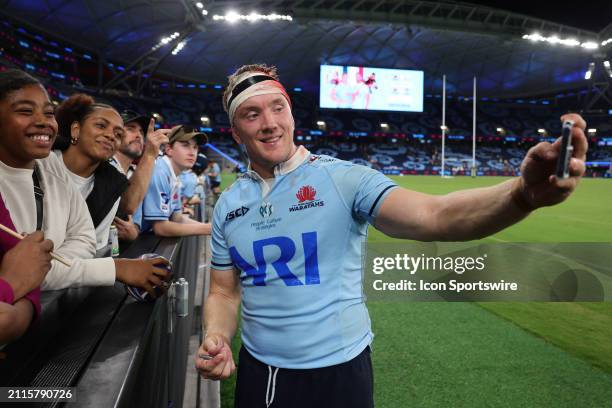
(367, 88)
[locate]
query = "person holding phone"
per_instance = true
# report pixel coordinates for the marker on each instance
(287, 249)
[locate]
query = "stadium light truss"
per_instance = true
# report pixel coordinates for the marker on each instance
(606, 42)
(589, 72)
(607, 67)
(232, 16)
(179, 47)
(554, 40)
(200, 6)
(165, 40)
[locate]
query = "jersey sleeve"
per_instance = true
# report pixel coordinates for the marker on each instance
(221, 258)
(189, 183)
(158, 204)
(363, 189)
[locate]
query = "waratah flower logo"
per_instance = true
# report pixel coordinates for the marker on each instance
(306, 193)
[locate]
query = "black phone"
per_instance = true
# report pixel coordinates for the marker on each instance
(565, 154)
(122, 215)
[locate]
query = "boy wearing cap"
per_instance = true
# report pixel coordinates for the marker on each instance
(287, 246)
(161, 210)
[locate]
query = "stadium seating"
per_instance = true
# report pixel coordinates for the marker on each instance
(410, 145)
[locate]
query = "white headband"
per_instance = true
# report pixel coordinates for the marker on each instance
(254, 87)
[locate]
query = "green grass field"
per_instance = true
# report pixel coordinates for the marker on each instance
(498, 354)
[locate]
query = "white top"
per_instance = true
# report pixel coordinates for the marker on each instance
(85, 185)
(66, 222)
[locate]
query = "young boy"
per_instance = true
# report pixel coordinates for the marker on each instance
(161, 211)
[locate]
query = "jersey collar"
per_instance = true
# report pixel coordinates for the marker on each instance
(166, 160)
(285, 167)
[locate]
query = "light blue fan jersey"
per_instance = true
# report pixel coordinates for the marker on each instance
(298, 249)
(162, 198)
(189, 182)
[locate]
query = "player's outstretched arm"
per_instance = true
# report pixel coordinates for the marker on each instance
(476, 213)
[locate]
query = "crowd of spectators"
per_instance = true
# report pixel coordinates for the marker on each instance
(71, 173)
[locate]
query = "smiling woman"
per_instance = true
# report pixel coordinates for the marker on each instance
(36, 193)
(89, 135)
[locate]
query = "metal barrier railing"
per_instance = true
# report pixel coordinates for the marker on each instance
(114, 350)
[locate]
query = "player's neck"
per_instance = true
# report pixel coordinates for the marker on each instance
(176, 168)
(265, 172)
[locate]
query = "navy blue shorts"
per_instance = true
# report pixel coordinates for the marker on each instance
(346, 385)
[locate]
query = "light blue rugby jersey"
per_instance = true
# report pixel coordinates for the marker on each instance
(162, 198)
(298, 250)
(189, 182)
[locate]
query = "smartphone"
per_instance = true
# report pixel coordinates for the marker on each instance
(565, 154)
(122, 215)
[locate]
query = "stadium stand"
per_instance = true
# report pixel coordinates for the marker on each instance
(67, 70)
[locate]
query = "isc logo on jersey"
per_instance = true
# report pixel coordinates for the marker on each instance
(286, 250)
(239, 212)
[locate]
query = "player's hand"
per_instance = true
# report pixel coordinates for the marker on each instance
(221, 366)
(538, 184)
(126, 230)
(143, 273)
(154, 139)
(25, 266)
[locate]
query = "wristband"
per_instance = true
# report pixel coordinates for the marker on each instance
(6, 292)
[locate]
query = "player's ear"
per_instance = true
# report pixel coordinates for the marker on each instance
(168, 149)
(236, 136)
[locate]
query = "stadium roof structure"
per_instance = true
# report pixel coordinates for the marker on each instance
(461, 40)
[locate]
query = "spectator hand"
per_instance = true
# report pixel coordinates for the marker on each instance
(154, 139)
(538, 186)
(143, 273)
(25, 265)
(126, 230)
(221, 366)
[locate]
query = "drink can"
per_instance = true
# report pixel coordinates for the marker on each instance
(114, 240)
(142, 295)
(182, 297)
